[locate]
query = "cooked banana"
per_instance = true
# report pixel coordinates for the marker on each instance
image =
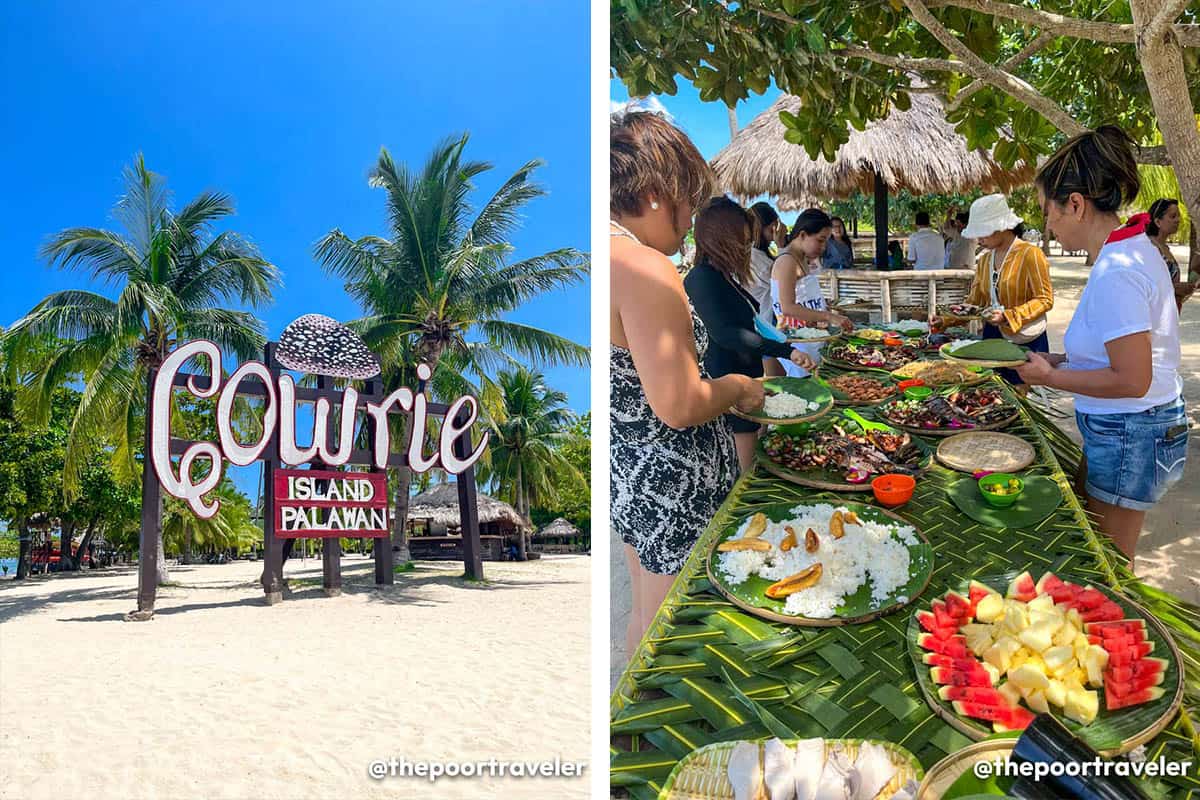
(811, 542)
(758, 524)
(789, 541)
(837, 528)
(761, 545)
(852, 518)
(795, 583)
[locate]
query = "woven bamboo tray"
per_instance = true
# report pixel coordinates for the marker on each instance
(702, 774)
(976, 729)
(976, 362)
(943, 774)
(831, 622)
(977, 450)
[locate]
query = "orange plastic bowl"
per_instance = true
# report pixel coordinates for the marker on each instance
(909, 383)
(893, 490)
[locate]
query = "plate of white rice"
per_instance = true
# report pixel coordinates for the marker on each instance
(790, 400)
(880, 564)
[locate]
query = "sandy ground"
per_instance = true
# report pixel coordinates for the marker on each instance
(1169, 550)
(220, 697)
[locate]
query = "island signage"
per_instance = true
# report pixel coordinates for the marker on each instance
(321, 503)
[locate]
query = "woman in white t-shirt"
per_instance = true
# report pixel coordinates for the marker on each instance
(1122, 346)
(796, 286)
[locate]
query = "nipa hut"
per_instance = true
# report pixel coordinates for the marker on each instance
(435, 531)
(917, 150)
(560, 536)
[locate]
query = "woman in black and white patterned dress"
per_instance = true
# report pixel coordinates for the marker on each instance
(672, 456)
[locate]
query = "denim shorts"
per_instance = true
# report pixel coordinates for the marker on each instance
(1133, 459)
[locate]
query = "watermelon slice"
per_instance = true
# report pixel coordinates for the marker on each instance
(1138, 684)
(962, 664)
(1012, 718)
(955, 677)
(974, 694)
(1117, 641)
(955, 646)
(1108, 611)
(929, 622)
(1124, 626)
(1089, 598)
(1022, 588)
(942, 615)
(1155, 668)
(958, 606)
(1048, 583)
(1128, 655)
(1114, 701)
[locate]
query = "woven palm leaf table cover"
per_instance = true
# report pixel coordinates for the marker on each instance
(707, 672)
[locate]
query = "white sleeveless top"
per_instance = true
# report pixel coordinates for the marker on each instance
(808, 295)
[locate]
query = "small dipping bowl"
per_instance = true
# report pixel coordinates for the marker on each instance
(910, 382)
(893, 490)
(918, 392)
(988, 484)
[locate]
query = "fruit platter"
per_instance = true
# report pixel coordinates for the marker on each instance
(860, 389)
(775, 768)
(988, 662)
(952, 411)
(867, 356)
(836, 453)
(985, 353)
(790, 401)
(819, 564)
(797, 330)
(941, 373)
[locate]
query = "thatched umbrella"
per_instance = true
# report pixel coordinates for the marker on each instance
(439, 505)
(559, 527)
(916, 150)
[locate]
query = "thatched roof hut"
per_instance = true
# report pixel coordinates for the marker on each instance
(558, 528)
(439, 505)
(917, 150)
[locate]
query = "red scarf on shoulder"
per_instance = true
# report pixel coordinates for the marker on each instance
(1133, 226)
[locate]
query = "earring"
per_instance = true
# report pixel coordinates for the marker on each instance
(654, 205)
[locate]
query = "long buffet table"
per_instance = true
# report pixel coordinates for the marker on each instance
(853, 681)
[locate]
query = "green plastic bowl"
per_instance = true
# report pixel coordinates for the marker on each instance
(988, 482)
(918, 392)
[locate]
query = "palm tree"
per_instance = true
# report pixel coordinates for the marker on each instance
(172, 274)
(438, 290)
(229, 528)
(525, 460)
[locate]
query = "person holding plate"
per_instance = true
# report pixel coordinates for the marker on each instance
(1012, 280)
(1122, 353)
(725, 233)
(796, 285)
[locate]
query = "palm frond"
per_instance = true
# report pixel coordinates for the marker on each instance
(107, 256)
(501, 214)
(144, 208)
(509, 287)
(541, 347)
(238, 332)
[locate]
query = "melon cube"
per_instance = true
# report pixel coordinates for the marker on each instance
(1094, 662)
(1010, 692)
(1039, 637)
(1015, 618)
(1074, 617)
(1058, 657)
(1082, 706)
(1056, 693)
(1020, 657)
(1066, 635)
(1043, 602)
(1051, 621)
(990, 608)
(1000, 654)
(1037, 701)
(1028, 676)
(992, 672)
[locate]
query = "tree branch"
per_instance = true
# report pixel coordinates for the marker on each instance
(1047, 21)
(1166, 16)
(903, 63)
(1041, 40)
(1010, 84)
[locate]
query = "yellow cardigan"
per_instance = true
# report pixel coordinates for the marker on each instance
(1024, 289)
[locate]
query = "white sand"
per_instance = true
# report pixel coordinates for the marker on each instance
(222, 697)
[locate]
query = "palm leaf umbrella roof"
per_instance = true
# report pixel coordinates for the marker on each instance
(440, 505)
(559, 527)
(917, 150)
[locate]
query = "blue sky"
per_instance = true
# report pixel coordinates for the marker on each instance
(284, 105)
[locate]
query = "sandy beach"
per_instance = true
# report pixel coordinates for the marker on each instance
(222, 698)
(1169, 551)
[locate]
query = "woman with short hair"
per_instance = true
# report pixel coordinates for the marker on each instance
(1122, 354)
(672, 453)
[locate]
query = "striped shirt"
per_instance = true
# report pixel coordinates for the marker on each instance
(1023, 289)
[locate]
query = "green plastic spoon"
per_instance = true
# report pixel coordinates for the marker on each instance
(866, 424)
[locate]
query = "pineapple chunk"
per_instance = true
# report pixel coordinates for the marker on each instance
(1010, 692)
(1037, 702)
(1000, 654)
(1056, 693)
(1015, 618)
(1028, 676)
(1072, 683)
(1059, 657)
(1074, 617)
(1043, 602)
(1065, 670)
(1080, 676)
(1066, 635)
(1020, 657)
(990, 608)
(979, 637)
(1082, 706)
(1094, 662)
(1038, 637)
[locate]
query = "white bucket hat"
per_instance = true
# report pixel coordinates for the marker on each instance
(988, 215)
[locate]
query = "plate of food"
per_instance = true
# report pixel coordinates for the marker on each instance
(789, 401)
(836, 453)
(985, 353)
(908, 327)
(942, 373)
(869, 334)
(821, 565)
(815, 769)
(797, 330)
(860, 389)
(980, 408)
(961, 310)
(1003, 648)
(868, 356)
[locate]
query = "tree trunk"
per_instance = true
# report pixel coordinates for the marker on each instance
(23, 552)
(400, 518)
(733, 125)
(1161, 57)
(160, 557)
(84, 543)
(186, 556)
(521, 555)
(66, 560)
